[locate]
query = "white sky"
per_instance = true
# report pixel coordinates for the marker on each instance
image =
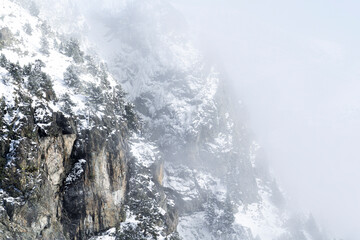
(296, 65)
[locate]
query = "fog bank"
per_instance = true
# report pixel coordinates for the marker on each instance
(295, 65)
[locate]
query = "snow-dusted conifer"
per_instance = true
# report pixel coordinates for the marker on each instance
(3, 61)
(28, 29)
(95, 96)
(67, 103)
(71, 77)
(72, 49)
(210, 214)
(44, 49)
(131, 117)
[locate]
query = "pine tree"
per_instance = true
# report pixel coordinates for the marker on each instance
(44, 49)
(15, 71)
(56, 44)
(71, 77)
(130, 232)
(219, 217)
(34, 73)
(39, 65)
(118, 100)
(104, 82)
(27, 69)
(46, 86)
(28, 29)
(33, 83)
(39, 83)
(227, 218)
(67, 103)
(2, 112)
(131, 117)
(143, 203)
(45, 29)
(95, 96)
(72, 49)
(91, 66)
(103, 75)
(210, 213)
(3, 61)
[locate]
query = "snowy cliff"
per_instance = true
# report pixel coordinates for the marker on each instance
(76, 161)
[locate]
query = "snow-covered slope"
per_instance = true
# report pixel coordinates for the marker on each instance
(64, 134)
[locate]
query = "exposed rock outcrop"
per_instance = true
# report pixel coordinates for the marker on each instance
(93, 202)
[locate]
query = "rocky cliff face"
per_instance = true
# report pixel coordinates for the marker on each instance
(27, 211)
(76, 162)
(67, 189)
(92, 199)
(64, 168)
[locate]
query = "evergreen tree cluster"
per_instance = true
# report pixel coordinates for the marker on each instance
(96, 96)
(91, 66)
(30, 84)
(219, 217)
(67, 104)
(71, 77)
(240, 183)
(71, 48)
(101, 96)
(143, 203)
(131, 117)
(38, 82)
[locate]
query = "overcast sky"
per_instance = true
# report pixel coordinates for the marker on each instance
(296, 65)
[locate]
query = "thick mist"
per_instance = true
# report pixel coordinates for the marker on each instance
(296, 67)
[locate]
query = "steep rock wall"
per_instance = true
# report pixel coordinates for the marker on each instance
(60, 184)
(93, 202)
